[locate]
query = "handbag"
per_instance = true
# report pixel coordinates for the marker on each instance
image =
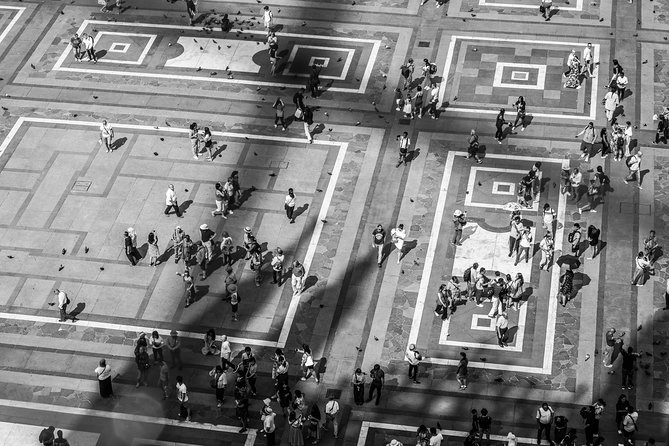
(299, 113)
(542, 9)
(407, 107)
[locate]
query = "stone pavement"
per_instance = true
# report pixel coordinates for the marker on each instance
(65, 204)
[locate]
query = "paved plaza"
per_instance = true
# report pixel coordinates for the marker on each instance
(65, 203)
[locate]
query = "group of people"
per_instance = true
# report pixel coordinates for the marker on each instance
(426, 95)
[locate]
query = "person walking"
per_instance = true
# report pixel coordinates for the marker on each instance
(500, 121)
(297, 278)
(234, 301)
(549, 218)
(462, 371)
(182, 398)
(218, 382)
(610, 343)
(630, 425)
(154, 251)
(545, 9)
(130, 251)
(76, 43)
(171, 201)
(314, 80)
(268, 19)
(59, 440)
(566, 287)
(588, 142)
(628, 366)
(634, 166)
(268, 425)
(472, 150)
(413, 357)
(332, 416)
(627, 135)
(191, 10)
(544, 421)
(63, 302)
(277, 266)
(307, 120)
(574, 238)
(434, 101)
(621, 85)
(485, 424)
(650, 245)
(459, 221)
(378, 242)
(164, 378)
(194, 137)
(107, 135)
(501, 329)
(178, 237)
(547, 247)
(588, 61)
(516, 226)
(143, 365)
(307, 363)
(593, 198)
(524, 246)
(606, 142)
(621, 411)
(404, 144)
(279, 108)
(174, 346)
(520, 106)
(593, 240)
(221, 199)
(157, 344)
(397, 236)
(189, 286)
(289, 205)
(643, 270)
(208, 143)
(469, 277)
(610, 102)
(378, 378)
(358, 383)
(89, 46)
(104, 374)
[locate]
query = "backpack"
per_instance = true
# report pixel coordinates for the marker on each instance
(467, 275)
(570, 237)
(433, 68)
(405, 71)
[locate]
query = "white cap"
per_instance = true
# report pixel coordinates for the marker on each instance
(458, 213)
(204, 226)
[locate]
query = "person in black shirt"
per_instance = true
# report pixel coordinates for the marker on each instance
(520, 116)
(298, 99)
(485, 421)
(499, 123)
(378, 379)
(629, 360)
(314, 80)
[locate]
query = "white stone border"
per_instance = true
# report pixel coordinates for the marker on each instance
(547, 364)
(308, 257)
(376, 44)
(347, 65)
(19, 11)
(578, 7)
(499, 73)
(449, 61)
(472, 181)
(142, 56)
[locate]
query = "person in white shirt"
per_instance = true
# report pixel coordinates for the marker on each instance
(182, 397)
(436, 438)
(298, 277)
(547, 247)
(226, 352)
(587, 60)
(575, 182)
(634, 164)
(643, 268)
(621, 85)
(514, 235)
(289, 205)
(332, 416)
(268, 425)
(501, 327)
(627, 134)
(63, 301)
(413, 357)
(106, 135)
(104, 374)
(611, 102)
(268, 19)
(277, 266)
(89, 45)
(544, 420)
(397, 236)
(171, 201)
(525, 245)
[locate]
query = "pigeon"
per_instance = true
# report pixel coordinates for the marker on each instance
(162, 139)
(321, 306)
(219, 47)
(10, 257)
(194, 40)
(199, 69)
(155, 153)
(185, 190)
(357, 123)
(60, 268)
(319, 190)
(201, 49)
(95, 97)
(339, 59)
(353, 4)
(329, 173)
(483, 359)
(272, 174)
(324, 221)
(645, 61)
(255, 154)
(411, 200)
(102, 268)
(498, 380)
(86, 249)
(639, 328)
(63, 251)
(465, 348)
(358, 348)
(213, 73)
(32, 66)
(587, 356)
(75, 115)
(375, 338)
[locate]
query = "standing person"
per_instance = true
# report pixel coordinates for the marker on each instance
(307, 363)
(298, 100)
(593, 240)
(501, 329)
(273, 64)
(358, 383)
(189, 286)
(227, 248)
(207, 236)
(314, 420)
(516, 226)
(314, 80)
(234, 301)
(404, 143)
(277, 266)
(208, 143)
(219, 382)
(469, 277)
(588, 62)
(307, 120)
(279, 108)
(547, 246)
(472, 150)
(378, 242)
(566, 287)
(407, 73)
(191, 10)
(627, 134)
(643, 270)
(268, 425)
(63, 302)
(171, 201)
(164, 378)
(621, 411)
(544, 420)
(617, 69)
(154, 251)
(588, 142)
(46, 437)
(332, 415)
(221, 201)
(628, 366)
(130, 251)
(459, 221)
(634, 166)
(76, 43)
(256, 266)
(178, 243)
(499, 125)
(378, 378)
(520, 115)
(462, 371)
(650, 246)
(574, 238)
(610, 342)
(611, 102)
(597, 408)
(143, 365)
(268, 19)
(295, 435)
(397, 236)
(104, 374)
(443, 302)
(621, 85)
(606, 142)
(524, 246)
(630, 425)
(174, 347)
(549, 218)
(414, 357)
(107, 135)
(515, 290)
(289, 205)
(89, 45)
(182, 398)
(485, 423)
(297, 278)
(242, 407)
(593, 197)
(545, 9)
(59, 440)
(434, 101)
(194, 137)
(418, 102)
(251, 375)
(157, 344)
(226, 353)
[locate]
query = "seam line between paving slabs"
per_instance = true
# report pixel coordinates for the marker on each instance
(19, 12)
(311, 250)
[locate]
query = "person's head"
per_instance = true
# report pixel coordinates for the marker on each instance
(302, 90)
(640, 255)
(103, 363)
(400, 226)
(630, 409)
(475, 265)
(296, 264)
(419, 89)
(412, 347)
(410, 60)
(516, 218)
(544, 406)
(590, 125)
(427, 62)
(508, 277)
(433, 431)
(291, 416)
(589, 45)
(472, 132)
(577, 226)
(290, 191)
(630, 350)
(601, 402)
(652, 233)
(501, 111)
(377, 367)
(252, 360)
(622, 398)
(484, 411)
(174, 333)
(649, 442)
(142, 335)
(521, 99)
(155, 334)
(60, 435)
(621, 74)
(306, 348)
(180, 379)
(615, 62)
(599, 168)
(207, 131)
(211, 333)
(548, 234)
(405, 134)
(504, 314)
(547, 206)
(358, 371)
(171, 186)
(142, 349)
(193, 126)
(474, 411)
(266, 8)
(125, 234)
(298, 394)
(454, 279)
(463, 355)
(104, 122)
(279, 251)
(228, 269)
(76, 35)
(592, 181)
(247, 349)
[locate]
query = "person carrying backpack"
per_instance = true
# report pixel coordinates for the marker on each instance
(46, 437)
(407, 73)
(630, 426)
